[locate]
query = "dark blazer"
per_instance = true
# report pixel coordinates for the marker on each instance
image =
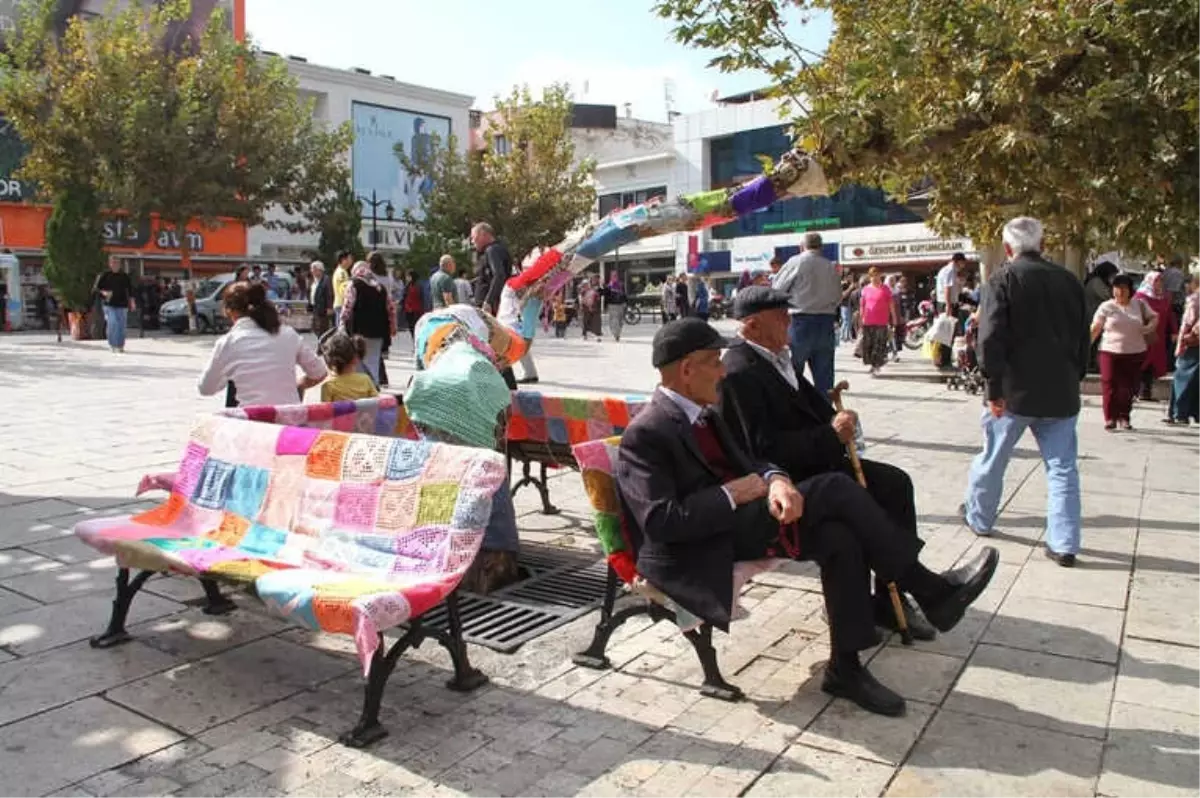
(787, 427)
(1034, 340)
(680, 520)
(323, 296)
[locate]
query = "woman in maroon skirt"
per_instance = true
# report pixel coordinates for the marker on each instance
(1122, 324)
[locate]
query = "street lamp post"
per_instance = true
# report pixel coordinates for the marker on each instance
(389, 211)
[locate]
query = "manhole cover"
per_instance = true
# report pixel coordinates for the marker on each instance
(562, 585)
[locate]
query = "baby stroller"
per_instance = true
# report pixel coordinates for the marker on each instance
(967, 376)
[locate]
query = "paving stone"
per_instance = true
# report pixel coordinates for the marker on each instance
(809, 771)
(917, 675)
(61, 584)
(23, 523)
(35, 684)
(1031, 689)
(14, 562)
(969, 755)
(1101, 584)
(1054, 627)
(63, 746)
(202, 694)
(14, 602)
(53, 625)
(847, 729)
(192, 634)
(230, 781)
(1151, 751)
(71, 551)
(1159, 675)
(1164, 607)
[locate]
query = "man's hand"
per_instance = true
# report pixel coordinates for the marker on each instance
(784, 501)
(746, 489)
(844, 425)
(997, 407)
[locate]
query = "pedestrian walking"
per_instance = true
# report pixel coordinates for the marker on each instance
(683, 305)
(814, 291)
(1124, 325)
(320, 298)
(493, 267)
(1185, 386)
(341, 280)
(116, 294)
(412, 304)
(589, 307)
(379, 269)
(559, 307)
(878, 317)
(1033, 349)
(700, 303)
(946, 293)
(367, 312)
(441, 284)
(1160, 350)
(614, 295)
(667, 298)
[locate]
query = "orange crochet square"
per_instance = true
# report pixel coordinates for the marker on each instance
(334, 613)
(618, 412)
(231, 531)
(577, 431)
(164, 514)
(325, 457)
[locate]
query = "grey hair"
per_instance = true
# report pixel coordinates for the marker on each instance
(316, 264)
(484, 227)
(1024, 234)
(812, 241)
(442, 261)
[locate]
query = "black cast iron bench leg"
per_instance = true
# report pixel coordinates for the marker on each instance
(218, 604)
(127, 588)
(714, 685)
(543, 487)
(612, 618)
(369, 730)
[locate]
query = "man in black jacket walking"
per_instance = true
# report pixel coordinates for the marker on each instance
(1033, 349)
(778, 416)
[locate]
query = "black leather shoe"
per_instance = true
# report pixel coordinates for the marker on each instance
(1065, 560)
(527, 381)
(885, 618)
(862, 688)
(966, 584)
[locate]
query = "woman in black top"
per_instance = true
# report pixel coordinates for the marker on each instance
(368, 311)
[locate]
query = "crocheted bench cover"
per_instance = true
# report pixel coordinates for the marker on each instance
(381, 415)
(344, 533)
(569, 420)
(597, 465)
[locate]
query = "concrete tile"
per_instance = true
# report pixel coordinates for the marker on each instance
(1070, 630)
(202, 694)
(50, 587)
(917, 675)
(846, 729)
(1164, 607)
(1040, 690)
(968, 755)
(63, 746)
(192, 635)
(71, 551)
(1160, 553)
(809, 771)
(21, 561)
(24, 523)
(69, 621)
(34, 684)
(1100, 584)
(13, 602)
(1151, 751)
(1159, 675)
(176, 588)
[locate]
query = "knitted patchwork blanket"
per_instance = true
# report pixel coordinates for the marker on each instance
(344, 533)
(570, 420)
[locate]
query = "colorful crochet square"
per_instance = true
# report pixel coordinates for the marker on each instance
(539, 418)
(354, 557)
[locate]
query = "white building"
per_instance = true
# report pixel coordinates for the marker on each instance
(718, 147)
(384, 112)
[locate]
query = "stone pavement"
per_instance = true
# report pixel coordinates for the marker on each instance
(1058, 682)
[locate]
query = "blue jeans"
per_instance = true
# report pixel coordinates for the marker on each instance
(847, 324)
(114, 320)
(1056, 440)
(501, 531)
(1185, 390)
(813, 342)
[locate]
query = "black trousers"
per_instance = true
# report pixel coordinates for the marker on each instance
(848, 535)
(892, 490)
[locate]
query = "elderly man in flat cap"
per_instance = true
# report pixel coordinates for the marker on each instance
(698, 503)
(776, 414)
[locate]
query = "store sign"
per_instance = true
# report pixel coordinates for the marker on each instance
(392, 238)
(750, 254)
(802, 225)
(924, 249)
(120, 231)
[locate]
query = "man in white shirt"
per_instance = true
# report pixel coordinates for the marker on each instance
(814, 292)
(949, 284)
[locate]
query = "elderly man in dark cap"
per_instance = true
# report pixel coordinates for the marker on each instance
(696, 503)
(776, 414)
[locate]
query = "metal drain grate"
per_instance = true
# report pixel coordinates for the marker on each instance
(562, 585)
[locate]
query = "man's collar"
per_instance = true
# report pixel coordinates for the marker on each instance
(762, 350)
(689, 408)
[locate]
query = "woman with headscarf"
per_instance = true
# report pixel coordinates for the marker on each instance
(1152, 294)
(1097, 289)
(614, 295)
(368, 311)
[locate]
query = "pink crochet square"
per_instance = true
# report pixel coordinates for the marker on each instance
(356, 507)
(296, 440)
(314, 513)
(188, 476)
(283, 493)
(343, 423)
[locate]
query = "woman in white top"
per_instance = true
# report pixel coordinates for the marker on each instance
(259, 354)
(1122, 324)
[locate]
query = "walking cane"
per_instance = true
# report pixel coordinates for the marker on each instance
(852, 452)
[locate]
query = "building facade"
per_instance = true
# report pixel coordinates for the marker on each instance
(385, 113)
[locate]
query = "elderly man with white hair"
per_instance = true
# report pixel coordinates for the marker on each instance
(320, 297)
(1033, 350)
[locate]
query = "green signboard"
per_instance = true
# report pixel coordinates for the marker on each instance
(802, 225)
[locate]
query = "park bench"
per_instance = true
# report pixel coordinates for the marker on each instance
(597, 460)
(341, 532)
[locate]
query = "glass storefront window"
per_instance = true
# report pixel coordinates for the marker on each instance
(733, 160)
(623, 199)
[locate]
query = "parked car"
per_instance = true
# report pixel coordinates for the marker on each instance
(210, 310)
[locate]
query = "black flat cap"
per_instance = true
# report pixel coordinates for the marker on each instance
(757, 298)
(676, 340)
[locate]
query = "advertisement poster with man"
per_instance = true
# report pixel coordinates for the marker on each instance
(377, 131)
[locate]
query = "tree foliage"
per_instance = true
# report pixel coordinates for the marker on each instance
(210, 129)
(74, 247)
(530, 187)
(338, 218)
(1080, 112)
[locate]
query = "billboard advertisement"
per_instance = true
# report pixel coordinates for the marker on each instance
(374, 165)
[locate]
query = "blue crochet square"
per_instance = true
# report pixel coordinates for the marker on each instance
(263, 541)
(529, 404)
(385, 421)
(248, 489)
(556, 430)
(407, 459)
(212, 489)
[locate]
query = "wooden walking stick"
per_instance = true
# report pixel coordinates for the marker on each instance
(835, 396)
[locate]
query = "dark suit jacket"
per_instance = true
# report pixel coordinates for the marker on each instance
(767, 417)
(678, 516)
(323, 296)
(1034, 341)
